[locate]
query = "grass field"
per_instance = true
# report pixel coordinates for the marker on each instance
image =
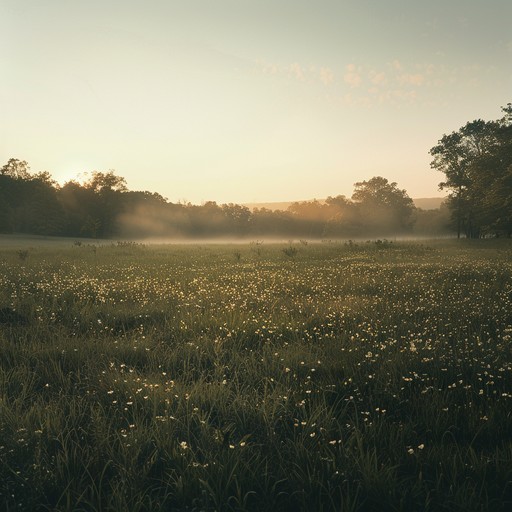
(314, 377)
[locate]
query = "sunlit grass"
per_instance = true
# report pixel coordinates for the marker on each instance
(362, 376)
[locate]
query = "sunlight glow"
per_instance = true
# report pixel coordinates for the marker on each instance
(247, 101)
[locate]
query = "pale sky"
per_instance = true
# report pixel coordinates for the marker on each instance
(248, 100)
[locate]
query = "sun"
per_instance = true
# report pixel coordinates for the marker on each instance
(71, 172)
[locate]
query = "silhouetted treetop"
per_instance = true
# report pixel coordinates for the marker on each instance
(477, 163)
(103, 207)
(17, 169)
(106, 181)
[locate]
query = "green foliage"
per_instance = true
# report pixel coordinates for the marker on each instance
(365, 376)
(104, 208)
(477, 163)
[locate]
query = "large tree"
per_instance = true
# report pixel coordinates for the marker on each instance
(28, 202)
(108, 188)
(455, 155)
(492, 179)
(382, 207)
(476, 161)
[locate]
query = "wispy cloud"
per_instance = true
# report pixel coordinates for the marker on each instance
(392, 82)
(297, 71)
(266, 68)
(352, 75)
(378, 77)
(326, 76)
(416, 79)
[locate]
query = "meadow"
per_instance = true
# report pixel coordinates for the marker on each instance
(280, 377)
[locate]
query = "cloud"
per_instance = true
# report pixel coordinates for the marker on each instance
(416, 79)
(396, 65)
(378, 77)
(352, 75)
(392, 82)
(297, 71)
(326, 76)
(266, 68)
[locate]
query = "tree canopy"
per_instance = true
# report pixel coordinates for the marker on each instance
(477, 163)
(383, 206)
(103, 207)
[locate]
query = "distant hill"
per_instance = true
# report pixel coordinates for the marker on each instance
(269, 206)
(425, 203)
(428, 203)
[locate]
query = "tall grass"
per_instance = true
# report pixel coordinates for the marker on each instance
(370, 376)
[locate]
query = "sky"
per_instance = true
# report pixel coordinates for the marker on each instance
(248, 100)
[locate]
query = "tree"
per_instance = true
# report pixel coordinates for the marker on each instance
(45, 214)
(455, 155)
(476, 160)
(265, 222)
(79, 204)
(342, 219)
(17, 169)
(237, 218)
(103, 181)
(382, 208)
(309, 217)
(29, 202)
(108, 189)
(492, 180)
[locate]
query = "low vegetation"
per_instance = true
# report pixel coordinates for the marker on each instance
(337, 376)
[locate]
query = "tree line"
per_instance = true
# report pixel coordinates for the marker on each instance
(477, 163)
(103, 207)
